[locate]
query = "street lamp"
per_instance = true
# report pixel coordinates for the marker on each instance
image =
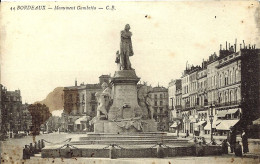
(211, 121)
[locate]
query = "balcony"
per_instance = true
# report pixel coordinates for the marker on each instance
(178, 107)
(228, 103)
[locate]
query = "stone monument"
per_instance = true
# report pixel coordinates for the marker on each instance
(124, 109)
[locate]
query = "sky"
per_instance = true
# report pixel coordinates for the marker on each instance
(42, 50)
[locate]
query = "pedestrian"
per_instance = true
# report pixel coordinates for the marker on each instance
(26, 152)
(225, 147)
(238, 149)
(214, 142)
(31, 149)
(199, 149)
(187, 133)
(232, 140)
(245, 142)
(204, 141)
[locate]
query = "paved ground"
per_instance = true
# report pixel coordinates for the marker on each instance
(11, 152)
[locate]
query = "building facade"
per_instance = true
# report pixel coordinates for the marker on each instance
(175, 98)
(223, 91)
(11, 110)
(80, 101)
(159, 96)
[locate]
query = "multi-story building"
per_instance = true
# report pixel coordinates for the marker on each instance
(80, 101)
(159, 97)
(11, 110)
(26, 119)
(14, 115)
(174, 93)
(224, 89)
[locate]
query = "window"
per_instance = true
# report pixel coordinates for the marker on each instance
(231, 77)
(231, 96)
(226, 79)
(93, 108)
(155, 103)
(155, 96)
(77, 97)
(161, 103)
(236, 76)
(161, 96)
(235, 95)
(93, 97)
(220, 80)
(70, 97)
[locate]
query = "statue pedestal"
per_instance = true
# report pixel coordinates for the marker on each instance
(124, 95)
(125, 115)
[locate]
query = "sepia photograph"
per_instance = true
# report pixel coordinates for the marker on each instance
(130, 82)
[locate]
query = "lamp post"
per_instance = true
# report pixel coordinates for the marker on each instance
(211, 121)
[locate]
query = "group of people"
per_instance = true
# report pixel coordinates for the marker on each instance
(235, 146)
(30, 150)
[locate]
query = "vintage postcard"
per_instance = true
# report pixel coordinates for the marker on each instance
(130, 82)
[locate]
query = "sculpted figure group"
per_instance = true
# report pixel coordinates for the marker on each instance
(104, 100)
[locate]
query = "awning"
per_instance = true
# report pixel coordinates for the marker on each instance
(232, 111)
(174, 125)
(256, 122)
(222, 113)
(200, 123)
(226, 124)
(214, 125)
(192, 119)
(82, 119)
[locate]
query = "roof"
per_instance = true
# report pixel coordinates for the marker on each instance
(86, 86)
(200, 123)
(215, 123)
(160, 89)
(104, 76)
(223, 113)
(226, 124)
(256, 122)
(174, 125)
(82, 119)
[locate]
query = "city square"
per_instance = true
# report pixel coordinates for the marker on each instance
(129, 102)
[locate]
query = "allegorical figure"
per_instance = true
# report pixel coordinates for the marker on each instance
(148, 102)
(103, 100)
(126, 48)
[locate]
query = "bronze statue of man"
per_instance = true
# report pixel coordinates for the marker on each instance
(126, 48)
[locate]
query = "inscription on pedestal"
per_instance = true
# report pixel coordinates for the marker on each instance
(125, 94)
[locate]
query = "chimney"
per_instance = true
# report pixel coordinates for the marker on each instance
(235, 46)
(229, 46)
(244, 44)
(226, 45)
(220, 46)
(249, 46)
(76, 84)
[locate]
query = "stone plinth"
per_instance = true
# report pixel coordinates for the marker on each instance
(105, 126)
(124, 95)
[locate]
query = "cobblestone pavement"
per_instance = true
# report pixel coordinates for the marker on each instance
(11, 152)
